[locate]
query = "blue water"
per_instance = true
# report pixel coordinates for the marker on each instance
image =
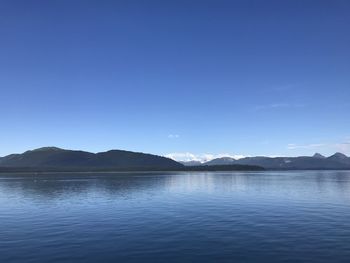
(176, 217)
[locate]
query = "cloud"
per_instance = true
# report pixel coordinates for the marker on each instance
(343, 147)
(278, 106)
(293, 146)
(173, 136)
(184, 156)
(204, 157)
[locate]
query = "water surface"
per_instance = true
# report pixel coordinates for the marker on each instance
(176, 217)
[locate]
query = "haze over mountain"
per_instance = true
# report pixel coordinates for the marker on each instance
(221, 161)
(191, 163)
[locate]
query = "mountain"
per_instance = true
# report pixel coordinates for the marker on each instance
(339, 157)
(317, 161)
(47, 157)
(221, 161)
(319, 156)
(56, 159)
(52, 157)
(127, 159)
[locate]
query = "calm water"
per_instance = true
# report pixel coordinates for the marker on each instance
(176, 217)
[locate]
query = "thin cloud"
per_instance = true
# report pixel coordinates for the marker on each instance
(173, 136)
(293, 146)
(277, 106)
(343, 147)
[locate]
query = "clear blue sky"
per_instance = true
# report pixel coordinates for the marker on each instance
(200, 77)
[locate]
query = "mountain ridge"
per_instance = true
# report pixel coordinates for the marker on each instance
(315, 162)
(51, 158)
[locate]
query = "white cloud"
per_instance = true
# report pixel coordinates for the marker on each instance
(293, 146)
(186, 156)
(204, 157)
(173, 136)
(343, 147)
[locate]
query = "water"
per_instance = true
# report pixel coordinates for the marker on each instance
(176, 217)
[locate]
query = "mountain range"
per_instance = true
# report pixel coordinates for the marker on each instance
(315, 162)
(56, 159)
(59, 159)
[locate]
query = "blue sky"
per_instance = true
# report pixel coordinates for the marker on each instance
(188, 78)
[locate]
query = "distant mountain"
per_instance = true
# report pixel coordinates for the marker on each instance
(292, 163)
(221, 161)
(339, 157)
(317, 161)
(52, 157)
(192, 163)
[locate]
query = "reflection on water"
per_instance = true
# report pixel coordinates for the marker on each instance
(175, 217)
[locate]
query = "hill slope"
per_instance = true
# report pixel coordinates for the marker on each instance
(221, 161)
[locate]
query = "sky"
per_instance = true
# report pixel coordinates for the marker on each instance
(191, 80)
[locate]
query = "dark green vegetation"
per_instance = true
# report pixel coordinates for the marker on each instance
(56, 159)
